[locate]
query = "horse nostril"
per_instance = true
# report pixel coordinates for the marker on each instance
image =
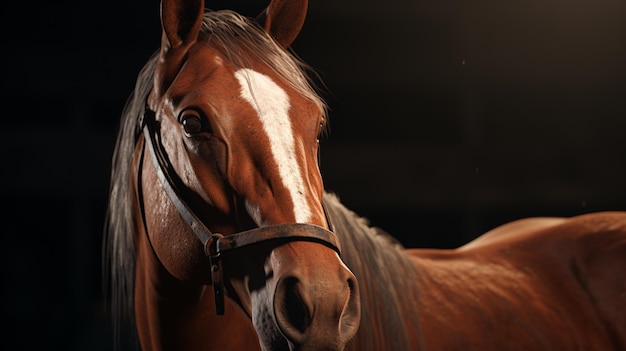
(293, 312)
(318, 310)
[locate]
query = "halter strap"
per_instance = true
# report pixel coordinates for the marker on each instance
(216, 245)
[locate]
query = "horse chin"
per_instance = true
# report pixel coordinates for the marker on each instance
(270, 336)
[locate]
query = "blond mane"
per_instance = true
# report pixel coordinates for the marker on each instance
(242, 41)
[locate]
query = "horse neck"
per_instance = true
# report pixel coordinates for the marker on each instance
(388, 282)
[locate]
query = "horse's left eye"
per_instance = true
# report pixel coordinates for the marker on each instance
(191, 121)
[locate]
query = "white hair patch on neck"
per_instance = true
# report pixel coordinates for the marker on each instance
(271, 103)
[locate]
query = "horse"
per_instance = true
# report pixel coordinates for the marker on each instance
(221, 236)
(216, 191)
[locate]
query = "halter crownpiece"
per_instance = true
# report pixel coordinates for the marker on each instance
(217, 245)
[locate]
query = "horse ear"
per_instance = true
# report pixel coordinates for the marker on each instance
(180, 22)
(283, 19)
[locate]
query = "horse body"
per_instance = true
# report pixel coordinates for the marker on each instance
(554, 286)
(533, 284)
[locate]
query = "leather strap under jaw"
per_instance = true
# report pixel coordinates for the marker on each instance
(217, 245)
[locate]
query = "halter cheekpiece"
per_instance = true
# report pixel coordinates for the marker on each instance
(217, 245)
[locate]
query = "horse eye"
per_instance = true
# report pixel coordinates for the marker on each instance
(191, 121)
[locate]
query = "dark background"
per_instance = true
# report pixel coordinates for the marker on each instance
(447, 119)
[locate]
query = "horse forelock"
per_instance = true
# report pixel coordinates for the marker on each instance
(242, 41)
(387, 279)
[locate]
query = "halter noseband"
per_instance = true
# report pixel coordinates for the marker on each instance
(217, 245)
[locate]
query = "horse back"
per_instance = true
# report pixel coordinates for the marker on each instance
(538, 284)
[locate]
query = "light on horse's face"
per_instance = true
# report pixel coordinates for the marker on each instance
(248, 136)
(271, 104)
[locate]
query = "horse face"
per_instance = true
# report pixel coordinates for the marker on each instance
(243, 139)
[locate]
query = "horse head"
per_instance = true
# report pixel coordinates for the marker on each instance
(238, 124)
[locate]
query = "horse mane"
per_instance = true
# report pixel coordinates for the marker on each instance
(386, 277)
(118, 247)
(242, 42)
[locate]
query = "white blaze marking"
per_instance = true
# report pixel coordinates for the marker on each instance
(272, 106)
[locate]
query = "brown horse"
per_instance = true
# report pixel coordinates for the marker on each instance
(220, 136)
(216, 183)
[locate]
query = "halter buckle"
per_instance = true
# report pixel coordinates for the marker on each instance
(217, 271)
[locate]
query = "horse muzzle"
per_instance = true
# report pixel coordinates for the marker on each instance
(314, 304)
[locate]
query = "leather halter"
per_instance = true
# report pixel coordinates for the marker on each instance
(217, 245)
